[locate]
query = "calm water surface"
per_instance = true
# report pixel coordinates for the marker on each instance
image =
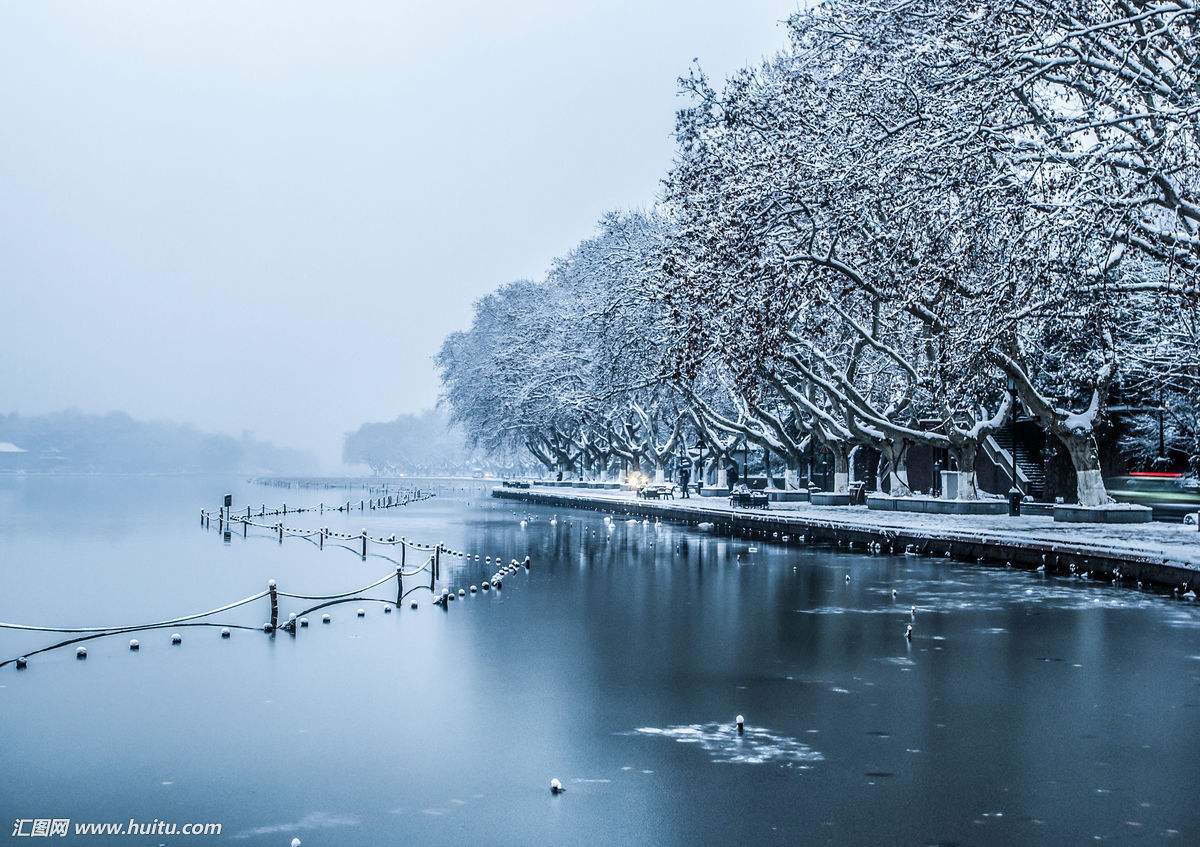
(1024, 710)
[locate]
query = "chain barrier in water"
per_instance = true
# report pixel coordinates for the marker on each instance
(296, 620)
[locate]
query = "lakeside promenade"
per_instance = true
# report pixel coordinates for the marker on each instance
(1158, 554)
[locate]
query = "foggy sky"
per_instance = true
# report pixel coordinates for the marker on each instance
(266, 216)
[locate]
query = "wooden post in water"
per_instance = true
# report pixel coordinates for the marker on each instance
(285, 508)
(402, 546)
(437, 560)
(364, 541)
(399, 587)
(274, 603)
(321, 538)
(280, 527)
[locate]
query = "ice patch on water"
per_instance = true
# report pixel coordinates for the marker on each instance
(313, 820)
(902, 661)
(586, 780)
(756, 746)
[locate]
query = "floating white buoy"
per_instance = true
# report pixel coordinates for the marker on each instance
(847, 577)
(176, 638)
(908, 632)
(22, 662)
(362, 613)
(303, 623)
(462, 593)
(473, 589)
(325, 618)
(556, 787)
(266, 627)
(893, 594)
(387, 610)
(741, 724)
(295, 842)
(913, 612)
(80, 652)
(133, 644)
(497, 584)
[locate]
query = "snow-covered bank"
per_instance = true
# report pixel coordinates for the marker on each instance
(1165, 554)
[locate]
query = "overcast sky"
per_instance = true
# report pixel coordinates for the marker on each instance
(266, 216)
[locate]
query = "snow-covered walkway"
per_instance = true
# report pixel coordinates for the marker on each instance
(1163, 544)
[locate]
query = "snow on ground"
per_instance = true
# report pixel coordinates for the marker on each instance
(1173, 544)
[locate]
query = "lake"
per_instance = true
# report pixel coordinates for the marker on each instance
(1023, 710)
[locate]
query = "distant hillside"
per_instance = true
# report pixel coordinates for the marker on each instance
(424, 443)
(72, 441)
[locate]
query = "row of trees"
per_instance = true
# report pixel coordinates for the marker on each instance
(425, 444)
(918, 219)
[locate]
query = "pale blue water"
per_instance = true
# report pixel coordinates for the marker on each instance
(1025, 710)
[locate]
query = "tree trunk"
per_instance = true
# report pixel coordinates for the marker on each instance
(895, 452)
(968, 481)
(766, 461)
(1085, 457)
(791, 477)
(660, 473)
(841, 468)
(722, 476)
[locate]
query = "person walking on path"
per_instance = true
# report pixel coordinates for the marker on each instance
(685, 476)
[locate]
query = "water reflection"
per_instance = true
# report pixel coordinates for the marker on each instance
(1018, 701)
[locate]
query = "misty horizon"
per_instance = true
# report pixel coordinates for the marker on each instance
(210, 221)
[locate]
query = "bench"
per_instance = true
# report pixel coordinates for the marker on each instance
(749, 500)
(655, 492)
